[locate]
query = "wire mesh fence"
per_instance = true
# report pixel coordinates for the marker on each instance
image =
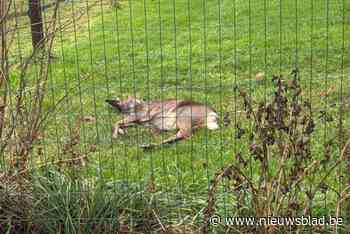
(274, 73)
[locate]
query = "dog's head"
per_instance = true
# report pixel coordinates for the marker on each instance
(125, 106)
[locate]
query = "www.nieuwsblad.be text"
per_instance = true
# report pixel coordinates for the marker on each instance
(278, 221)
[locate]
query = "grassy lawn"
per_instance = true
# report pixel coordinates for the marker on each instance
(191, 49)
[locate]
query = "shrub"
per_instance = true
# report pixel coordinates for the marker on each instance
(291, 176)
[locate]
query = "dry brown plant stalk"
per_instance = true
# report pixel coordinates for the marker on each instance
(280, 146)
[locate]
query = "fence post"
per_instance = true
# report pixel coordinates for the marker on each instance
(36, 23)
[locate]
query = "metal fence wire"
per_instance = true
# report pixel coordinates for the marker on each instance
(273, 75)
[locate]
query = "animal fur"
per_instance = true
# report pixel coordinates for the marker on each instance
(183, 116)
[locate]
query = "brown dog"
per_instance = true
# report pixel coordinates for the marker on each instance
(184, 116)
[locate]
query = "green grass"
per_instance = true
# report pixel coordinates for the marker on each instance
(202, 53)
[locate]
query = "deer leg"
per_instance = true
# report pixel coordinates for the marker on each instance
(180, 135)
(156, 131)
(120, 125)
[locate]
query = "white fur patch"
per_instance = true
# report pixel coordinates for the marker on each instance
(212, 121)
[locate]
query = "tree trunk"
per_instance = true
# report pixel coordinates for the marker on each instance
(3, 63)
(36, 22)
(3, 7)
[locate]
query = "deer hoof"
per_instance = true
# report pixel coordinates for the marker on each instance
(147, 146)
(116, 133)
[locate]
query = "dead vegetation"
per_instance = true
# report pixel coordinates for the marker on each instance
(22, 114)
(279, 143)
(280, 139)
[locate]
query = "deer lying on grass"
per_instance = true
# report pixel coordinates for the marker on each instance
(183, 116)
